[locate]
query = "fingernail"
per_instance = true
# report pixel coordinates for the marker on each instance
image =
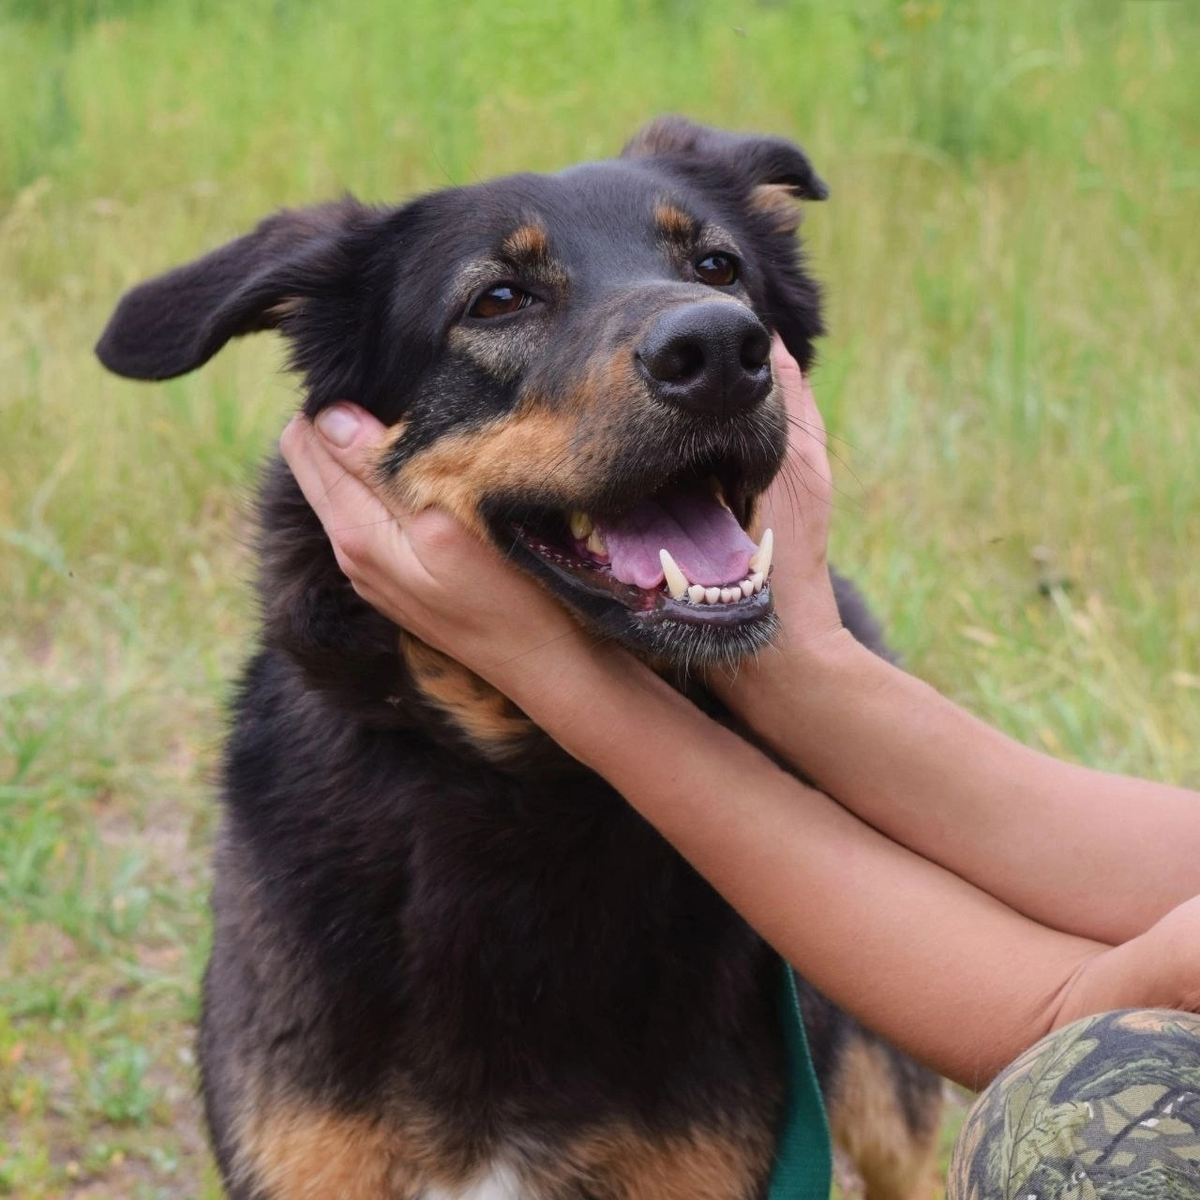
(338, 424)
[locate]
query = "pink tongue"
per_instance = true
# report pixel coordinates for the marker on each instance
(702, 536)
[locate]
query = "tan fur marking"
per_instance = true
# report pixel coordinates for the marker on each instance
(527, 242)
(287, 307)
(300, 1154)
(511, 454)
(869, 1125)
(621, 1164)
(674, 224)
(311, 1155)
(488, 718)
(778, 202)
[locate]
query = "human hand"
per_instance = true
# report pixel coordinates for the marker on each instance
(1175, 942)
(796, 508)
(1160, 968)
(422, 570)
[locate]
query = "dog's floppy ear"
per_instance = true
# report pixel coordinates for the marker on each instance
(760, 160)
(174, 323)
(776, 172)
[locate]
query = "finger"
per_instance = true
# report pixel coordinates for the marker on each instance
(797, 391)
(807, 412)
(317, 472)
(347, 508)
(787, 369)
(352, 437)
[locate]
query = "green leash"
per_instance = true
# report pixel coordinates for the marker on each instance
(803, 1154)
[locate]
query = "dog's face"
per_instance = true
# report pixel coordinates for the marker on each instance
(576, 365)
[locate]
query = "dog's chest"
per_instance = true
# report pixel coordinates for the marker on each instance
(495, 1182)
(544, 996)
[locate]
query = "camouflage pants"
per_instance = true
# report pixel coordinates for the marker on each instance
(1105, 1109)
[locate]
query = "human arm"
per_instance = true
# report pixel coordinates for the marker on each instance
(1100, 855)
(1091, 853)
(937, 966)
(934, 963)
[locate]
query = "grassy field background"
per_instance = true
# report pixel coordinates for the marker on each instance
(1011, 255)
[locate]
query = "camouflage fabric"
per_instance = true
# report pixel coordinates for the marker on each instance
(1105, 1109)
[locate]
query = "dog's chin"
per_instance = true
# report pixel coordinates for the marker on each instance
(686, 646)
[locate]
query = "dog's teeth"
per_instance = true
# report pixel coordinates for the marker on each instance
(718, 491)
(712, 595)
(760, 560)
(728, 595)
(696, 593)
(595, 544)
(746, 587)
(756, 581)
(677, 583)
(581, 525)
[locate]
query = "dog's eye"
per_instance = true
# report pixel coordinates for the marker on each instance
(719, 270)
(499, 301)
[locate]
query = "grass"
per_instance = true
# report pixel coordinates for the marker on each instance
(1010, 255)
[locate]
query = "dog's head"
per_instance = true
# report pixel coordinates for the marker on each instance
(576, 365)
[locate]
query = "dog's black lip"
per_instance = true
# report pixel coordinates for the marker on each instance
(755, 607)
(649, 607)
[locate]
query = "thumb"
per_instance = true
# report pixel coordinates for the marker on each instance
(352, 436)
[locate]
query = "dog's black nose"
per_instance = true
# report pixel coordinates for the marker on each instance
(709, 357)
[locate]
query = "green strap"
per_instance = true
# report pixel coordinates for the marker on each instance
(803, 1155)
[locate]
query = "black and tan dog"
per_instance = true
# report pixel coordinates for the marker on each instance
(448, 962)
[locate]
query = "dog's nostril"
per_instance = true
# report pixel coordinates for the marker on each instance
(756, 349)
(675, 362)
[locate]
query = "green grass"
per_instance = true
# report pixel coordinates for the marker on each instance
(1011, 257)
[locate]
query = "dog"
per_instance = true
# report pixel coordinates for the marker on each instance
(448, 962)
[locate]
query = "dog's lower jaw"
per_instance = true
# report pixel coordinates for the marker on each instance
(677, 649)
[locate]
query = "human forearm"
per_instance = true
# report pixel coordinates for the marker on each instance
(1068, 846)
(941, 968)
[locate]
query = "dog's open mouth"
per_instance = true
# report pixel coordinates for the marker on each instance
(681, 554)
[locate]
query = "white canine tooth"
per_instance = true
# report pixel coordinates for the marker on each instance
(756, 581)
(595, 544)
(677, 583)
(747, 588)
(728, 595)
(581, 525)
(760, 560)
(712, 595)
(696, 593)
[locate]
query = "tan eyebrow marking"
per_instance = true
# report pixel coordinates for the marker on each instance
(674, 224)
(528, 242)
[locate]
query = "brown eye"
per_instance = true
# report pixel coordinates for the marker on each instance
(719, 270)
(499, 301)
